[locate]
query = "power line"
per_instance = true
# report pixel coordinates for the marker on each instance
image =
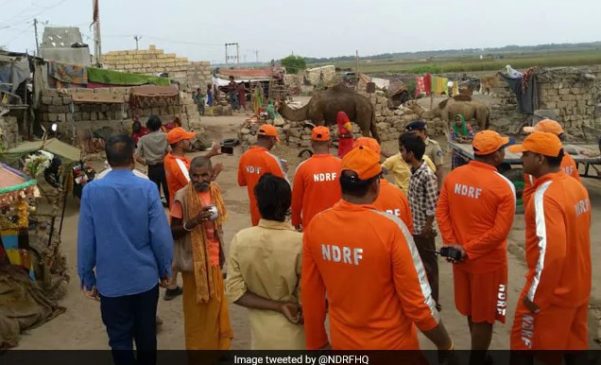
(32, 16)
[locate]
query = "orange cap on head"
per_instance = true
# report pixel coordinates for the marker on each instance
(268, 130)
(363, 161)
(546, 125)
(320, 134)
(547, 144)
(487, 142)
(179, 134)
(368, 142)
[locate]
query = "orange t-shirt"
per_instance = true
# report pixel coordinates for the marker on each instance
(568, 165)
(213, 241)
(558, 243)
(176, 173)
(316, 187)
(376, 285)
(253, 164)
(393, 201)
(475, 209)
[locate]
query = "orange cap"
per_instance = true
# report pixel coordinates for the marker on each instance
(179, 134)
(363, 161)
(546, 125)
(547, 144)
(487, 142)
(269, 131)
(368, 142)
(320, 134)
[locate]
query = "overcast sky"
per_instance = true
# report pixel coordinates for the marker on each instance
(315, 28)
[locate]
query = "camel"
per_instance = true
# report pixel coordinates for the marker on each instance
(447, 109)
(469, 109)
(325, 105)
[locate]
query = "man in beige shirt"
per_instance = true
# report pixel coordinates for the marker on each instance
(264, 268)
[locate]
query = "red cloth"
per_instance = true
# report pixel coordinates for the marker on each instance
(345, 144)
(428, 83)
(139, 134)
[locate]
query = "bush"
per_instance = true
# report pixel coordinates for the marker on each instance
(294, 64)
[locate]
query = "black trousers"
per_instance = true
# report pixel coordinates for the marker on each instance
(427, 251)
(156, 174)
(131, 318)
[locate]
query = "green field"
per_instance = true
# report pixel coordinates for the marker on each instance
(472, 64)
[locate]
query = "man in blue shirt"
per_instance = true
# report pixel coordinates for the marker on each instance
(124, 248)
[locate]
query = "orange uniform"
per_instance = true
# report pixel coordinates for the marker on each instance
(376, 285)
(568, 165)
(316, 187)
(475, 210)
(393, 201)
(176, 173)
(558, 220)
(253, 164)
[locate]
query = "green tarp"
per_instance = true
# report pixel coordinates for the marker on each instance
(111, 77)
(63, 150)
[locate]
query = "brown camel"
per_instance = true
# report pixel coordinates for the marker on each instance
(325, 105)
(469, 109)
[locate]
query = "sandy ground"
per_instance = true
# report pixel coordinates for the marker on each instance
(80, 327)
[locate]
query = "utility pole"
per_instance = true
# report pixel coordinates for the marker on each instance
(236, 57)
(37, 45)
(96, 23)
(137, 38)
(257, 55)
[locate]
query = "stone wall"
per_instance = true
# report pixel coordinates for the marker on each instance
(56, 107)
(154, 61)
(9, 132)
(572, 94)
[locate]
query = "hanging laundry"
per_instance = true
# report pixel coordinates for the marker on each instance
(428, 84)
(420, 86)
(440, 85)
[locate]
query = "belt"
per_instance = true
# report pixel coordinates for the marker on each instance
(345, 136)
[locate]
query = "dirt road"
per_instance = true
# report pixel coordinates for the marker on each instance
(81, 327)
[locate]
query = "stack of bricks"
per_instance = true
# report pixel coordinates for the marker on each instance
(56, 107)
(574, 94)
(155, 61)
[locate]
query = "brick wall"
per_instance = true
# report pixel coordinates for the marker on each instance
(154, 61)
(56, 104)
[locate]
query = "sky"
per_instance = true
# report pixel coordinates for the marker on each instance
(313, 28)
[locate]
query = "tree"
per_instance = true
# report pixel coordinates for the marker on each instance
(294, 64)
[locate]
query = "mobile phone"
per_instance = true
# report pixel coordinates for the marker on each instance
(228, 150)
(450, 252)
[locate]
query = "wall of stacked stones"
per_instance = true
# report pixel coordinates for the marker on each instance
(155, 61)
(9, 132)
(573, 94)
(57, 106)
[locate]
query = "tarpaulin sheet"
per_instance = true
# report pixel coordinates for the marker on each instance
(13, 73)
(62, 75)
(111, 77)
(52, 145)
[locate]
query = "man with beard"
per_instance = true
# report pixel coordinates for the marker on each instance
(176, 172)
(197, 215)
